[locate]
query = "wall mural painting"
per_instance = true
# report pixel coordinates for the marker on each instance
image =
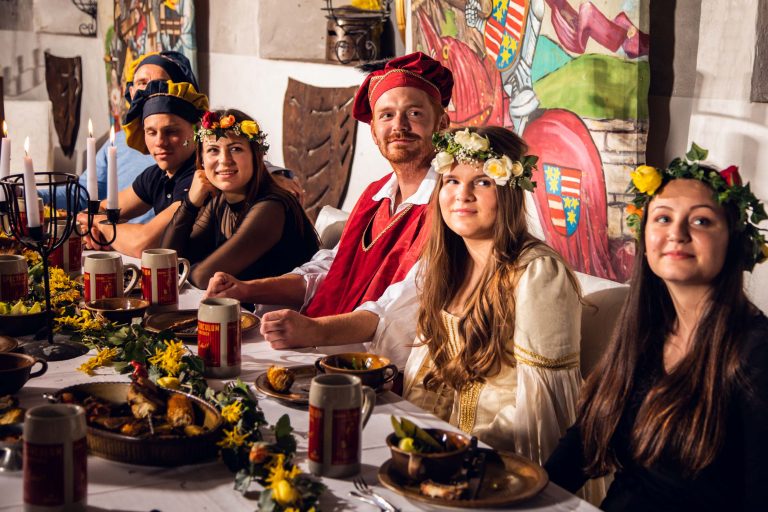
(145, 26)
(572, 77)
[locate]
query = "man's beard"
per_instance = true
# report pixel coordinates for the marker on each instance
(411, 154)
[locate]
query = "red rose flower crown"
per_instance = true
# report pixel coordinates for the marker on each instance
(728, 190)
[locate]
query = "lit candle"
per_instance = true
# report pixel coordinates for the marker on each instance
(90, 164)
(30, 189)
(112, 172)
(5, 158)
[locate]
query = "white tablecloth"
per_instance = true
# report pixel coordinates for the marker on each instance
(116, 486)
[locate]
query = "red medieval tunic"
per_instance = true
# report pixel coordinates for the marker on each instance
(375, 251)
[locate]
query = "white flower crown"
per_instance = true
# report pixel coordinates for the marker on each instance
(470, 147)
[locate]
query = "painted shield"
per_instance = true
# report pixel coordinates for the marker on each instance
(563, 196)
(504, 31)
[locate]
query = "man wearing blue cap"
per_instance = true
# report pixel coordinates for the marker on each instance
(160, 123)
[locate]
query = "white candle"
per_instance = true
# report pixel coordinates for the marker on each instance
(112, 172)
(5, 158)
(30, 189)
(90, 164)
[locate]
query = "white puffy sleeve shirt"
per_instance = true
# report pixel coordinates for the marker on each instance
(526, 407)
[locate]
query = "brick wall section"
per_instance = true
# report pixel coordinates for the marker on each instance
(622, 148)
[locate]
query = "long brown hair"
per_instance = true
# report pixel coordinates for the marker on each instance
(684, 415)
(261, 182)
(489, 323)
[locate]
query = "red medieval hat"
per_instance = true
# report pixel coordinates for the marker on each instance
(412, 70)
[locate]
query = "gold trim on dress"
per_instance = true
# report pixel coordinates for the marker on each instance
(470, 395)
(391, 223)
(537, 360)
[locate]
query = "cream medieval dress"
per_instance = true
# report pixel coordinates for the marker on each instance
(527, 407)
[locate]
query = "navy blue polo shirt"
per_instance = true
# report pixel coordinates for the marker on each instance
(154, 187)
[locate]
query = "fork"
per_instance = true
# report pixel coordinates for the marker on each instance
(363, 488)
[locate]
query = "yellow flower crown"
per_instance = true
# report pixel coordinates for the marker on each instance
(470, 147)
(213, 125)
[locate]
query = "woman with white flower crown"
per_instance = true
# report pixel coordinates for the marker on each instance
(499, 315)
(236, 218)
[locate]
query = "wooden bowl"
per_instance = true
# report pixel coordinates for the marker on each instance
(167, 451)
(376, 370)
(119, 309)
(21, 325)
(440, 466)
(16, 370)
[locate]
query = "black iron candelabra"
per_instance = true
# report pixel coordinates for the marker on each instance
(52, 232)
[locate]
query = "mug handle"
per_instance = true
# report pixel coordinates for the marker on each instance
(41, 370)
(390, 368)
(414, 466)
(369, 399)
(184, 272)
(135, 279)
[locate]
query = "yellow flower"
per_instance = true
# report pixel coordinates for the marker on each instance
(102, 358)
(32, 257)
(277, 471)
(646, 179)
(232, 412)
(227, 121)
(249, 128)
(284, 493)
(498, 170)
(442, 162)
(169, 358)
(232, 439)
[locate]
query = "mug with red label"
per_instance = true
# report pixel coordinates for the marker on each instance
(160, 280)
(23, 214)
(69, 255)
(339, 408)
(14, 278)
(219, 337)
(103, 276)
(55, 458)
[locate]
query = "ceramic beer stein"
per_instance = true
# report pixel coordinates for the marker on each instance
(160, 281)
(219, 337)
(103, 276)
(69, 255)
(14, 277)
(339, 408)
(55, 458)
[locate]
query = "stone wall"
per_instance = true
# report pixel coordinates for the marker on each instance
(622, 148)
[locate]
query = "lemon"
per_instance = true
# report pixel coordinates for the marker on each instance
(407, 445)
(169, 382)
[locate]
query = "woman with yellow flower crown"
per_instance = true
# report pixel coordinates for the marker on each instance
(499, 312)
(678, 406)
(235, 218)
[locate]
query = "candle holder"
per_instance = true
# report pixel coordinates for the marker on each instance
(50, 235)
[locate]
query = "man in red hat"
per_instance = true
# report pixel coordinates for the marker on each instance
(404, 103)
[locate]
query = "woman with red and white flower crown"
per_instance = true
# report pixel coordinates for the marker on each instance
(236, 218)
(678, 406)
